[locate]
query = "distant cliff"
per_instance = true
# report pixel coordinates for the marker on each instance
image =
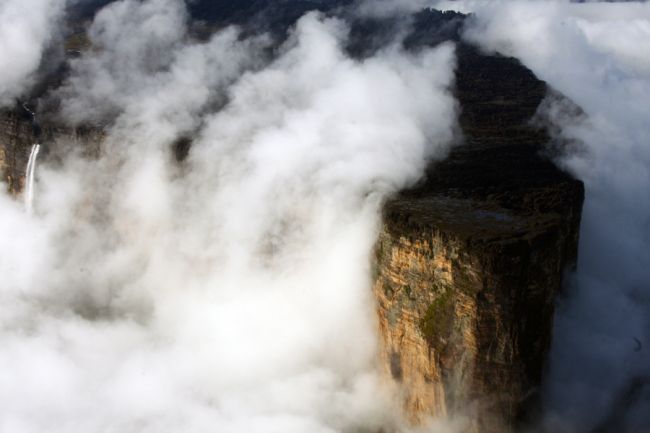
(16, 139)
(18, 132)
(468, 263)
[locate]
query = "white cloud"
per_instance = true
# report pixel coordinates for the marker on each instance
(26, 27)
(596, 54)
(231, 292)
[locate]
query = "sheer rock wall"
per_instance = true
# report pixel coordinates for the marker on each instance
(468, 264)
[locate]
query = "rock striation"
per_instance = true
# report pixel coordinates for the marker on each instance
(469, 262)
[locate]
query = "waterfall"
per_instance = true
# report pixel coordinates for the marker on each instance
(29, 178)
(31, 164)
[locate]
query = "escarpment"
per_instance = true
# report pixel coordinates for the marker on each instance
(469, 262)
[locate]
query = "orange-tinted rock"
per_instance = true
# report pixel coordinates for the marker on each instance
(468, 264)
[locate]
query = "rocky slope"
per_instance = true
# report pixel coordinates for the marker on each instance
(468, 263)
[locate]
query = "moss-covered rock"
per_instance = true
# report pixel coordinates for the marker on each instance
(437, 322)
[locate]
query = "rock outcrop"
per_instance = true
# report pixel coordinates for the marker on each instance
(468, 263)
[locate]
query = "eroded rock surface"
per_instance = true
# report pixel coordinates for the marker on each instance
(468, 263)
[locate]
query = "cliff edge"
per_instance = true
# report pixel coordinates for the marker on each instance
(469, 262)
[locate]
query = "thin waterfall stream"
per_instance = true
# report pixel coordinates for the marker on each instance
(31, 163)
(29, 178)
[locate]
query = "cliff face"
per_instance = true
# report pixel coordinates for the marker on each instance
(16, 139)
(18, 133)
(468, 263)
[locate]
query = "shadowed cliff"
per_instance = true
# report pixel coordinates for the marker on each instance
(469, 262)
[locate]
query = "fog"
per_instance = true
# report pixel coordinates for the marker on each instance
(230, 291)
(597, 55)
(28, 26)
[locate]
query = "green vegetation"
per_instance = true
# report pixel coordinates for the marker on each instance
(438, 320)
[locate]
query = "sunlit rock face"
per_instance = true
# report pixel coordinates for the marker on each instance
(469, 263)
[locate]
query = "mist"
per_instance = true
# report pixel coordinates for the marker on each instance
(26, 29)
(229, 291)
(596, 55)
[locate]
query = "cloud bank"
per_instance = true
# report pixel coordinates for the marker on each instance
(596, 54)
(230, 291)
(26, 28)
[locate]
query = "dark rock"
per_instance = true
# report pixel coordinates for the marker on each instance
(469, 261)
